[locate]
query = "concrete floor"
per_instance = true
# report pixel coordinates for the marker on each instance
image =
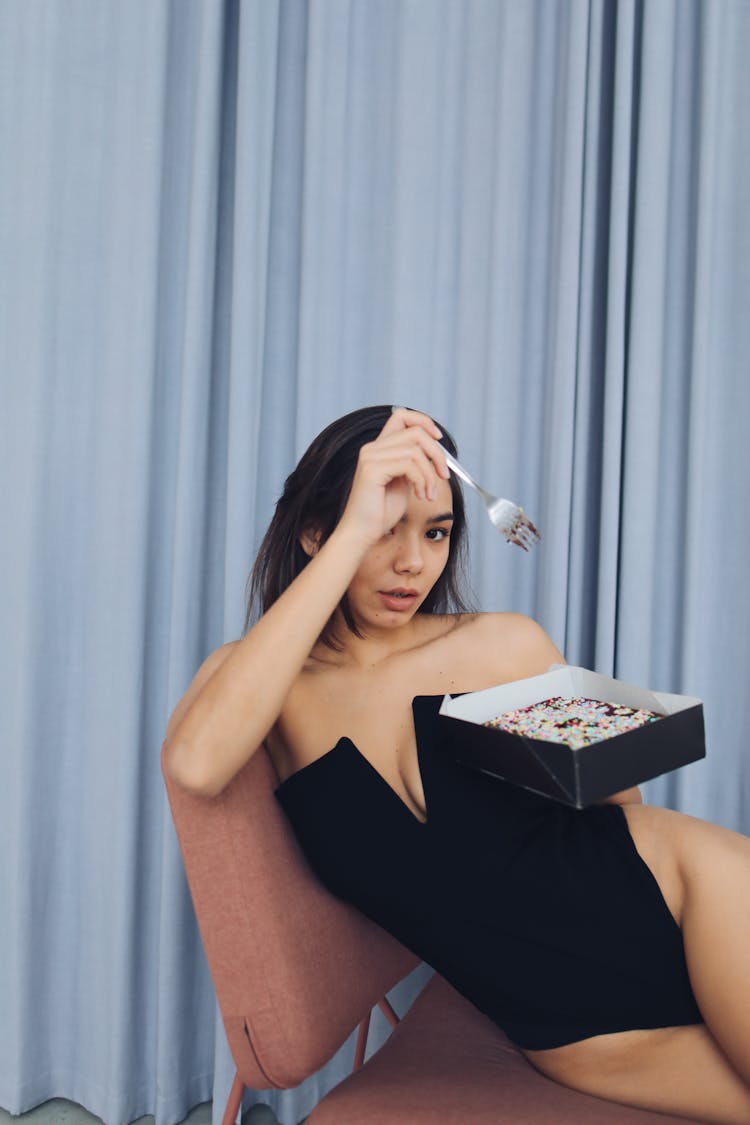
(60, 1112)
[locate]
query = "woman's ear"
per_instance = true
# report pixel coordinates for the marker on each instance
(310, 540)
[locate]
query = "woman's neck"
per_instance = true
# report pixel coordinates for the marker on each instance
(374, 647)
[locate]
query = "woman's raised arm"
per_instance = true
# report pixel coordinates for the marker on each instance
(238, 693)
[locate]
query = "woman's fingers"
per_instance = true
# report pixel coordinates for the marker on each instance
(415, 426)
(401, 417)
(405, 455)
(382, 466)
(411, 453)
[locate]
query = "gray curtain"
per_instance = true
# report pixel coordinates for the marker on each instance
(223, 224)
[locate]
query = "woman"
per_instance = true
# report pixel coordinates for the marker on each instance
(612, 944)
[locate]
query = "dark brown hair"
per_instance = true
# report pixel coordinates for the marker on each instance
(314, 498)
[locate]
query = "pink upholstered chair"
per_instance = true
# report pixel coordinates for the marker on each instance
(296, 970)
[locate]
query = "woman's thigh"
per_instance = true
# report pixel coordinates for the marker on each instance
(703, 871)
(702, 1071)
(679, 1070)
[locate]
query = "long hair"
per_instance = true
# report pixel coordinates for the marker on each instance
(314, 498)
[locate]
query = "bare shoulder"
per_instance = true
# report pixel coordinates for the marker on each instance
(515, 627)
(212, 662)
(515, 643)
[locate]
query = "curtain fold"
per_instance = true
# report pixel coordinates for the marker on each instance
(222, 224)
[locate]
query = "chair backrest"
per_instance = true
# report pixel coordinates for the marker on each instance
(295, 969)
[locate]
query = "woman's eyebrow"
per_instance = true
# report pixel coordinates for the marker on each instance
(441, 519)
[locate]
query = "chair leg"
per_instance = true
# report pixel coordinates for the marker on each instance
(359, 1050)
(235, 1101)
(388, 1011)
(364, 1027)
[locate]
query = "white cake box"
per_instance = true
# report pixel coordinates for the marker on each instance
(577, 777)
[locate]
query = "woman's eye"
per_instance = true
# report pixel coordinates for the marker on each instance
(438, 533)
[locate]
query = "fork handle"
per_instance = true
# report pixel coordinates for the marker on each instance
(461, 472)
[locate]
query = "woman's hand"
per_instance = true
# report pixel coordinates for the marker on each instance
(406, 455)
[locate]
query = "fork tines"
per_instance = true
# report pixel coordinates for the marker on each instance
(515, 525)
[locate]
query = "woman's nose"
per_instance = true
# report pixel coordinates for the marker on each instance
(409, 557)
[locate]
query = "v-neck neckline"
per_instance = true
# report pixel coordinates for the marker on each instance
(409, 811)
(417, 707)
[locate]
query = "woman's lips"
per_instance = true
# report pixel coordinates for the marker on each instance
(399, 600)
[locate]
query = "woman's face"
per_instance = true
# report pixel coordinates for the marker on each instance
(398, 572)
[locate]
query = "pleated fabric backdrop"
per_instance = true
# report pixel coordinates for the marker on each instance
(223, 224)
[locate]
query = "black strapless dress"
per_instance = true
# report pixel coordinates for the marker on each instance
(544, 916)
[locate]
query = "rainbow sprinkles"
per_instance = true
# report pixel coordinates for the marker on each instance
(574, 722)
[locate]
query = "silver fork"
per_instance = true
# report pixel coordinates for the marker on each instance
(507, 517)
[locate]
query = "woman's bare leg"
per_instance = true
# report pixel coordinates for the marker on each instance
(715, 865)
(702, 1071)
(676, 1070)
